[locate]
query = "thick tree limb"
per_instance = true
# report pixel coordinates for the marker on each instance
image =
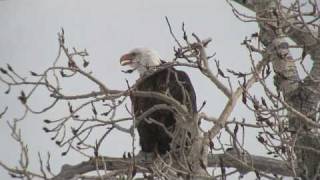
(258, 163)
(299, 35)
(232, 103)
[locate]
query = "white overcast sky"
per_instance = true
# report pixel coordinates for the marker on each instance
(108, 29)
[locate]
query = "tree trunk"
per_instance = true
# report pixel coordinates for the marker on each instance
(303, 96)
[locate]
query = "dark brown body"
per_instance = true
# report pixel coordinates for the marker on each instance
(173, 83)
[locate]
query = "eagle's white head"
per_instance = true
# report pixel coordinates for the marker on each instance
(141, 59)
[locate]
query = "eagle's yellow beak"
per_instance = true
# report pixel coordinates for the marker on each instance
(126, 59)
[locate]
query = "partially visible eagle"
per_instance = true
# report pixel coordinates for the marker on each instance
(168, 81)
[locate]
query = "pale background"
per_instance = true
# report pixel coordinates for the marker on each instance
(108, 29)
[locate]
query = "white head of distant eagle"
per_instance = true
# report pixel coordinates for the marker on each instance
(141, 59)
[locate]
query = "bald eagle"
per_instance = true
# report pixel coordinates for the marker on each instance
(174, 83)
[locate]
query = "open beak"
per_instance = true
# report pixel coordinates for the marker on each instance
(126, 59)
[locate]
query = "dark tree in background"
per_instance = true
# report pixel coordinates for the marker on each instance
(286, 115)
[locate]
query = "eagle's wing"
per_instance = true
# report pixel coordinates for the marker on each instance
(173, 83)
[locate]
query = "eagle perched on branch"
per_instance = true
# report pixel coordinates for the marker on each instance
(156, 130)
